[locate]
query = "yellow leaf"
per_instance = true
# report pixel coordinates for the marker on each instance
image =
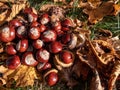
(16, 8)
(5, 72)
(24, 76)
(4, 12)
(13, 1)
(116, 9)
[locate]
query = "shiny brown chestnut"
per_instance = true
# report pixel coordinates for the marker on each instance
(7, 34)
(43, 66)
(13, 62)
(56, 26)
(42, 28)
(37, 44)
(34, 24)
(55, 47)
(49, 36)
(66, 38)
(22, 45)
(27, 10)
(42, 55)
(64, 59)
(67, 23)
(44, 19)
(34, 33)
(10, 49)
(32, 17)
(51, 77)
(66, 56)
(21, 32)
(28, 59)
(15, 23)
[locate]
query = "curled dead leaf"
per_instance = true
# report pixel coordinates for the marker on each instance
(8, 13)
(13, 1)
(5, 72)
(114, 75)
(46, 7)
(91, 3)
(104, 9)
(63, 1)
(116, 9)
(96, 82)
(16, 8)
(103, 34)
(4, 12)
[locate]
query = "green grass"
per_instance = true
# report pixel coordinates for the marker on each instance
(111, 23)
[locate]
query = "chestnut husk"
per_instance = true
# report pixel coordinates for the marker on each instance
(60, 64)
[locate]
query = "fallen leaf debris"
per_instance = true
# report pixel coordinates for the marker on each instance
(98, 59)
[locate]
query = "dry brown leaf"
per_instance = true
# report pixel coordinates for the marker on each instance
(114, 75)
(4, 15)
(94, 3)
(3, 56)
(91, 3)
(104, 9)
(13, 1)
(67, 76)
(103, 34)
(24, 76)
(96, 82)
(46, 7)
(1, 47)
(116, 8)
(5, 72)
(4, 11)
(7, 13)
(16, 8)
(63, 1)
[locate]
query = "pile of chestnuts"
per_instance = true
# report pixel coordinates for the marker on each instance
(39, 42)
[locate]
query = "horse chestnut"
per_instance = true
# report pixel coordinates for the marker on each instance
(13, 62)
(43, 66)
(49, 36)
(44, 19)
(42, 55)
(28, 59)
(55, 47)
(32, 17)
(51, 77)
(7, 34)
(66, 56)
(34, 33)
(37, 44)
(10, 49)
(22, 45)
(15, 23)
(21, 32)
